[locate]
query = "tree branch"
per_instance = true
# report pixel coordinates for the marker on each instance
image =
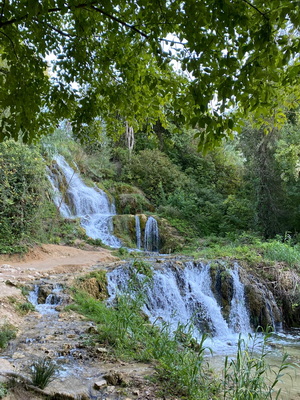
(255, 8)
(2, 9)
(12, 43)
(58, 30)
(132, 27)
(50, 10)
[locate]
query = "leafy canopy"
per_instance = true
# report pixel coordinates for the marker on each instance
(122, 57)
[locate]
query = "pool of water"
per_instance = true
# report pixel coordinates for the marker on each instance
(278, 345)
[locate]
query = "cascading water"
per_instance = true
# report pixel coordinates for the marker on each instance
(151, 239)
(239, 317)
(138, 232)
(52, 300)
(183, 296)
(91, 205)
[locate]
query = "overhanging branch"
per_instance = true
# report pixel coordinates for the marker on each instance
(119, 21)
(255, 8)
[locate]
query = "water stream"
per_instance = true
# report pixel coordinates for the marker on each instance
(184, 297)
(151, 240)
(138, 232)
(90, 205)
(51, 302)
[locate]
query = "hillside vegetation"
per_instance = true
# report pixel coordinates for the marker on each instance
(248, 185)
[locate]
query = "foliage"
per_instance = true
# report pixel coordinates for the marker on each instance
(3, 391)
(7, 332)
(245, 377)
(142, 267)
(282, 252)
(236, 54)
(264, 177)
(155, 174)
(42, 372)
(124, 327)
(23, 182)
(25, 307)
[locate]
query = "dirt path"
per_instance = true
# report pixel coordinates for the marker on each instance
(42, 262)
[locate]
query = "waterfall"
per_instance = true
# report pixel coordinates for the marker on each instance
(138, 232)
(151, 238)
(91, 205)
(183, 296)
(52, 300)
(239, 316)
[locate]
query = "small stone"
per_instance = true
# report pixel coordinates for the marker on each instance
(101, 350)
(92, 330)
(18, 355)
(136, 392)
(71, 336)
(110, 389)
(8, 282)
(115, 378)
(84, 397)
(100, 384)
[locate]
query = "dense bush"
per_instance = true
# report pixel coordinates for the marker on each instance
(22, 191)
(7, 332)
(155, 174)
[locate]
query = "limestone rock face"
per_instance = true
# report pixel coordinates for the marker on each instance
(95, 288)
(261, 304)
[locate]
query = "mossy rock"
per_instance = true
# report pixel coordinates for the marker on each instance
(95, 284)
(222, 287)
(124, 228)
(170, 239)
(132, 203)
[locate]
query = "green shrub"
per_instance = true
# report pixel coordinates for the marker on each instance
(142, 267)
(24, 308)
(7, 332)
(155, 174)
(42, 372)
(23, 182)
(245, 376)
(3, 391)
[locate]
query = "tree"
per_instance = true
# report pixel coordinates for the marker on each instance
(113, 59)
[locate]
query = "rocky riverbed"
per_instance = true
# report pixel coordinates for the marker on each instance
(85, 370)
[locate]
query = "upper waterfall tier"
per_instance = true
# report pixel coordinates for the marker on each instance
(89, 204)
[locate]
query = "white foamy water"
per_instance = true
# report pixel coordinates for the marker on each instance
(183, 297)
(90, 205)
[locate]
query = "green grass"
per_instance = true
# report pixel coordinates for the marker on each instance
(123, 327)
(282, 252)
(246, 376)
(246, 248)
(25, 308)
(3, 391)
(7, 332)
(42, 372)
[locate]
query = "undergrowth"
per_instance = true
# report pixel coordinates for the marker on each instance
(129, 333)
(180, 361)
(3, 390)
(246, 247)
(248, 376)
(42, 372)
(7, 332)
